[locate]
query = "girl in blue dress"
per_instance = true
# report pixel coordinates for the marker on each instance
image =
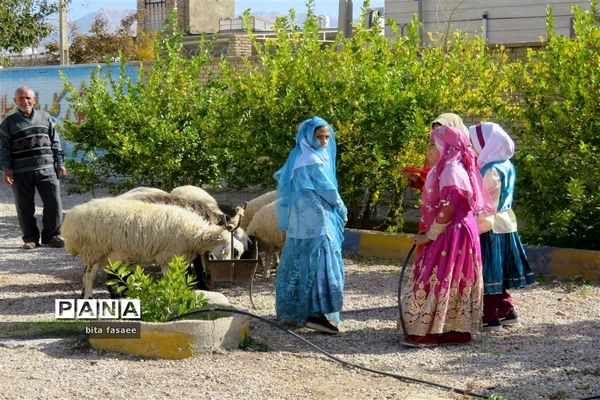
(310, 277)
(505, 264)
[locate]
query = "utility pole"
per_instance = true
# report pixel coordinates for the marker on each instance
(345, 17)
(63, 42)
(421, 21)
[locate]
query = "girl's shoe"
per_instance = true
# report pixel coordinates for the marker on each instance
(511, 318)
(321, 324)
(492, 325)
(429, 340)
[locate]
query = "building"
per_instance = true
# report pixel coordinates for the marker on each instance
(200, 16)
(498, 21)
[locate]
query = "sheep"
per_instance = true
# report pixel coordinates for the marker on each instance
(172, 199)
(196, 204)
(139, 191)
(265, 228)
(195, 194)
(254, 205)
(136, 232)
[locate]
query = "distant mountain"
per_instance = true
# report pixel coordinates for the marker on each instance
(112, 15)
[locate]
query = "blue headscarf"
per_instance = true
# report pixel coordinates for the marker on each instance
(308, 151)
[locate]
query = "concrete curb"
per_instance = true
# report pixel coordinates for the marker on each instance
(545, 261)
(183, 338)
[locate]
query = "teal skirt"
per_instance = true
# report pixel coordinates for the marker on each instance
(505, 264)
(310, 280)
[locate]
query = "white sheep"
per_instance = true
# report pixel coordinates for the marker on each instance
(136, 232)
(194, 194)
(265, 228)
(254, 205)
(141, 190)
(197, 204)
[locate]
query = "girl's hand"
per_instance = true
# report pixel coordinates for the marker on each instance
(420, 239)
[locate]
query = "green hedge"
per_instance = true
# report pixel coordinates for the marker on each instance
(379, 94)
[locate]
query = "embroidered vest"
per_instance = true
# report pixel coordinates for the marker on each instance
(508, 177)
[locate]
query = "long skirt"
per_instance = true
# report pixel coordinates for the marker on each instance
(310, 280)
(444, 290)
(505, 264)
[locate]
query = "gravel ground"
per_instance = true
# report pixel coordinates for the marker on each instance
(552, 354)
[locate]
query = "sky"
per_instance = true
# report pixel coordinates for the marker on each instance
(79, 8)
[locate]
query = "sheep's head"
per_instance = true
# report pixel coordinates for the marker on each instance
(224, 251)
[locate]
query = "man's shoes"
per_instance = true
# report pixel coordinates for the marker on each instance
(454, 337)
(30, 245)
(55, 241)
(321, 324)
(511, 318)
(492, 325)
(417, 341)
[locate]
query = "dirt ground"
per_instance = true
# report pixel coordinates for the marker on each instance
(551, 354)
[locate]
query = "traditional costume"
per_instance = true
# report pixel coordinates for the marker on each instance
(310, 276)
(505, 264)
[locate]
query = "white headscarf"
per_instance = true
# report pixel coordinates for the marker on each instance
(492, 144)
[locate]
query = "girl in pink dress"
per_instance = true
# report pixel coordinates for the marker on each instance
(441, 301)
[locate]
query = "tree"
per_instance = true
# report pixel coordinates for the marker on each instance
(151, 130)
(101, 45)
(24, 23)
(559, 161)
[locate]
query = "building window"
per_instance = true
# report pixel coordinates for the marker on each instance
(156, 13)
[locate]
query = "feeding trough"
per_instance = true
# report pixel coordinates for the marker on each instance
(235, 270)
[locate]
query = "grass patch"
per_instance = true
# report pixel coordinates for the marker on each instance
(250, 344)
(41, 329)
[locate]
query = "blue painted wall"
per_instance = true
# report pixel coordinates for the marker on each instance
(49, 88)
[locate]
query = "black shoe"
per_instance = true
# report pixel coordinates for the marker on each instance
(493, 325)
(55, 241)
(510, 318)
(321, 324)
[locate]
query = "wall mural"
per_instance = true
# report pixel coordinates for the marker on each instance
(49, 88)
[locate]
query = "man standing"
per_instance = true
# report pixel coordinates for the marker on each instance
(31, 158)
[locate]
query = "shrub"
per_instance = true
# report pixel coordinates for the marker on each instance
(147, 132)
(559, 158)
(161, 300)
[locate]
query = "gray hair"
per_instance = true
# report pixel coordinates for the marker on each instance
(22, 89)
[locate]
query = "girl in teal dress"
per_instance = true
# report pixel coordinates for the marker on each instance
(505, 264)
(310, 277)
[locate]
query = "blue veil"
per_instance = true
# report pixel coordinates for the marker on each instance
(308, 151)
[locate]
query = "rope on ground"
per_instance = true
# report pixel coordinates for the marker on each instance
(329, 355)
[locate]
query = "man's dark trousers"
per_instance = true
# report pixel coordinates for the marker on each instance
(48, 186)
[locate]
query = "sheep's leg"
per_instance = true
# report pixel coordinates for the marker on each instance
(163, 269)
(267, 263)
(198, 268)
(88, 277)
